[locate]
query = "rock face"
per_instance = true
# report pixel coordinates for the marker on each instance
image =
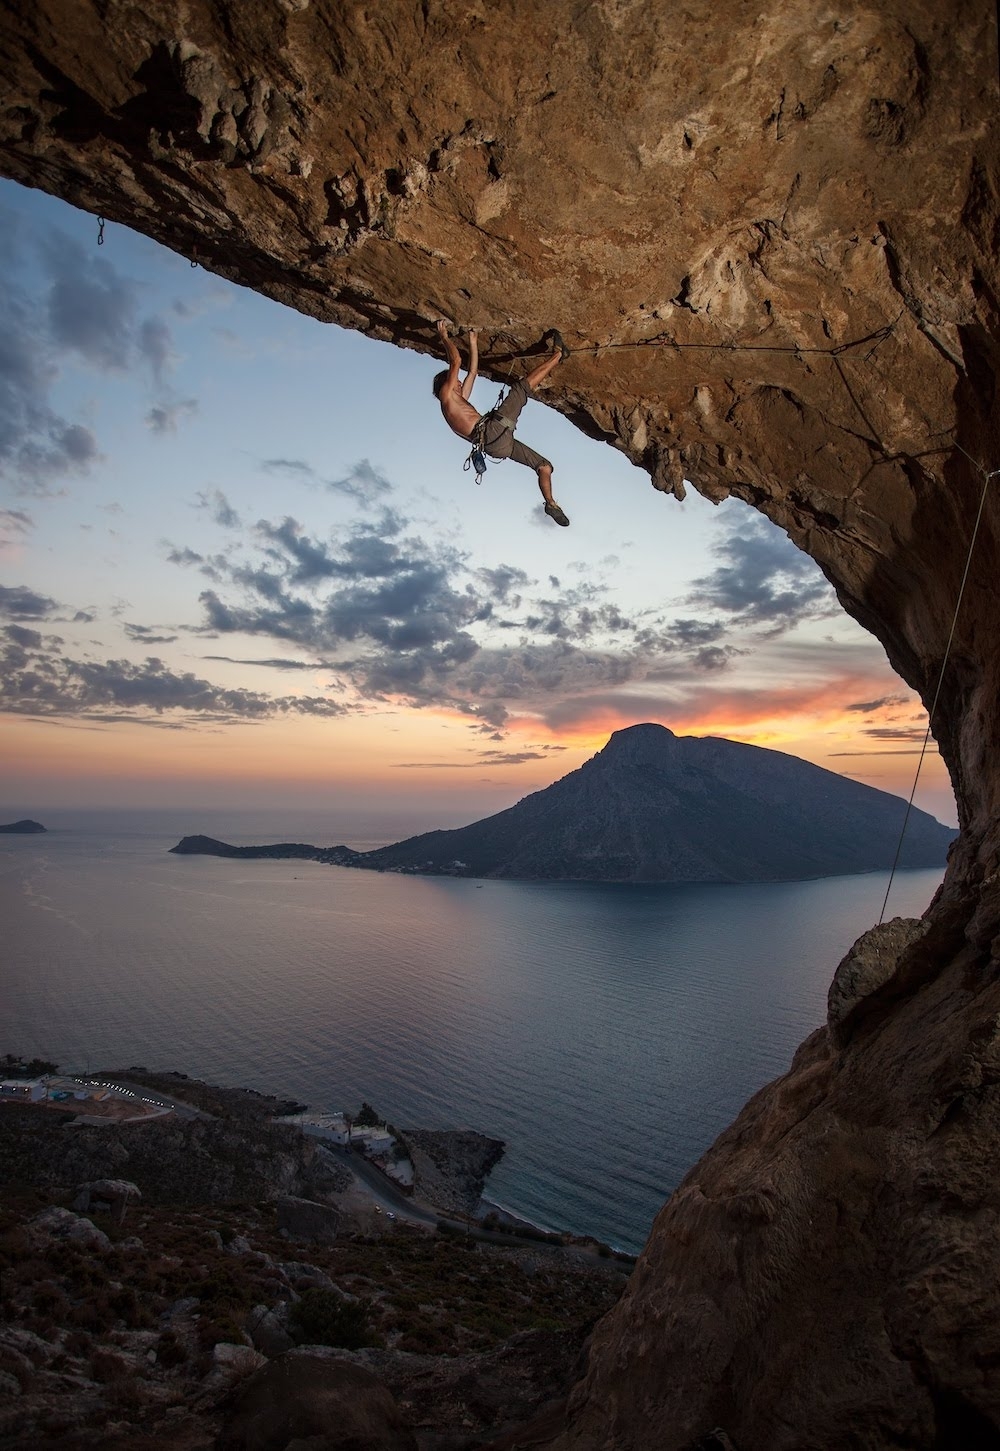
(771, 234)
(653, 807)
(451, 1166)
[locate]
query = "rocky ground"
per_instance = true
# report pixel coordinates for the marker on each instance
(189, 1323)
(451, 1166)
(251, 1283)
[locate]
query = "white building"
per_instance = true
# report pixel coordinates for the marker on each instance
(23, 1090)
(331, 1127)
(373, 1141)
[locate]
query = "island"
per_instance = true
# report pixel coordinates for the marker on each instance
(22, 828)
(655, 807)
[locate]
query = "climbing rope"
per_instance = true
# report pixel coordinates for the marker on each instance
(876, 339)
(988, 476)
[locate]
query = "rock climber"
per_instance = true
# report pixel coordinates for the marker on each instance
(493, 432)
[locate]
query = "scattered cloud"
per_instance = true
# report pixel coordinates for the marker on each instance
(868, 707)
(86, 309)
(219, 508)
(364, 483)
(39, 684)
(165, 417)
(147, 635)
(762, 580)
(15, 526)
(296, 467)
(17, 602)
(274, 663)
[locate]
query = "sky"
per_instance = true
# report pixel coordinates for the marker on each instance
(241, 565)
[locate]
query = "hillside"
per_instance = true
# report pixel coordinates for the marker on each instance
(655, 807)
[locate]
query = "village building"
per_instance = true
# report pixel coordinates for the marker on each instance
(23, 1090)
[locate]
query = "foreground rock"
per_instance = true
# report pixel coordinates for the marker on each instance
(309, 1398)
(143, 1343)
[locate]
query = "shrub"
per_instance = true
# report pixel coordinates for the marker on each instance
(171, 1350)
(321, 1317)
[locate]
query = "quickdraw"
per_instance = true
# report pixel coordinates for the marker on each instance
(477, 456)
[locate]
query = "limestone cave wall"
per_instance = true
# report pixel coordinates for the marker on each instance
(770, 235)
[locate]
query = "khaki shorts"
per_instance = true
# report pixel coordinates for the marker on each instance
(499, 440)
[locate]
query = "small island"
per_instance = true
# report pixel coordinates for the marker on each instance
(22, 828)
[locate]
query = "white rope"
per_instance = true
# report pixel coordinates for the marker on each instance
(987, 476)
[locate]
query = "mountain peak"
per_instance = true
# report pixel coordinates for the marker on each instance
(638, 744)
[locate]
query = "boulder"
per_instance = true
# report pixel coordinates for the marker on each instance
(869, 965)
(306, 1277)
(304, 1219)
(312, 1398)
(268, 1331)
(56, 1223)
(107, 1196)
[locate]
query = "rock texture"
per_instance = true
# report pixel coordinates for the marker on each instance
(771, 233)
(451, 1166)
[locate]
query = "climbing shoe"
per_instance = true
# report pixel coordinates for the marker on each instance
(554, 340)
(554, 512)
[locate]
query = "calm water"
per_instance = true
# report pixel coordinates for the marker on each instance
(607, 1033)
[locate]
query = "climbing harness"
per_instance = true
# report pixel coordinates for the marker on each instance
(988, 476)
(477, 456)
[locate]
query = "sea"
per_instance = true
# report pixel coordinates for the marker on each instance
(607, 1033)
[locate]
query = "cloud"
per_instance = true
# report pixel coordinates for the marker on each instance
(275, 663)
(20, 603)
(90, 307)
(164, 417)
(297, 467)
(115, 690)
(86, 308)
(762, 580)
(147, 635)
(27, 639)
(219, 507)
(896, 733)
(15, 526)
(36, 444)
(183, 556)
(866, 707)
(364, 483)
(154, 344)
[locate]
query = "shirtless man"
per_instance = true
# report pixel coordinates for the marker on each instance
(498, 435)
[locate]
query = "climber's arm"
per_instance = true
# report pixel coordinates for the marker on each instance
(473, 372)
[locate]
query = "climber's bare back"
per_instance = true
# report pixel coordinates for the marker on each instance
(459, 413)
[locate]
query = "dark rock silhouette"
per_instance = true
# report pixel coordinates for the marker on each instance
(22, 828)
(655, 807)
